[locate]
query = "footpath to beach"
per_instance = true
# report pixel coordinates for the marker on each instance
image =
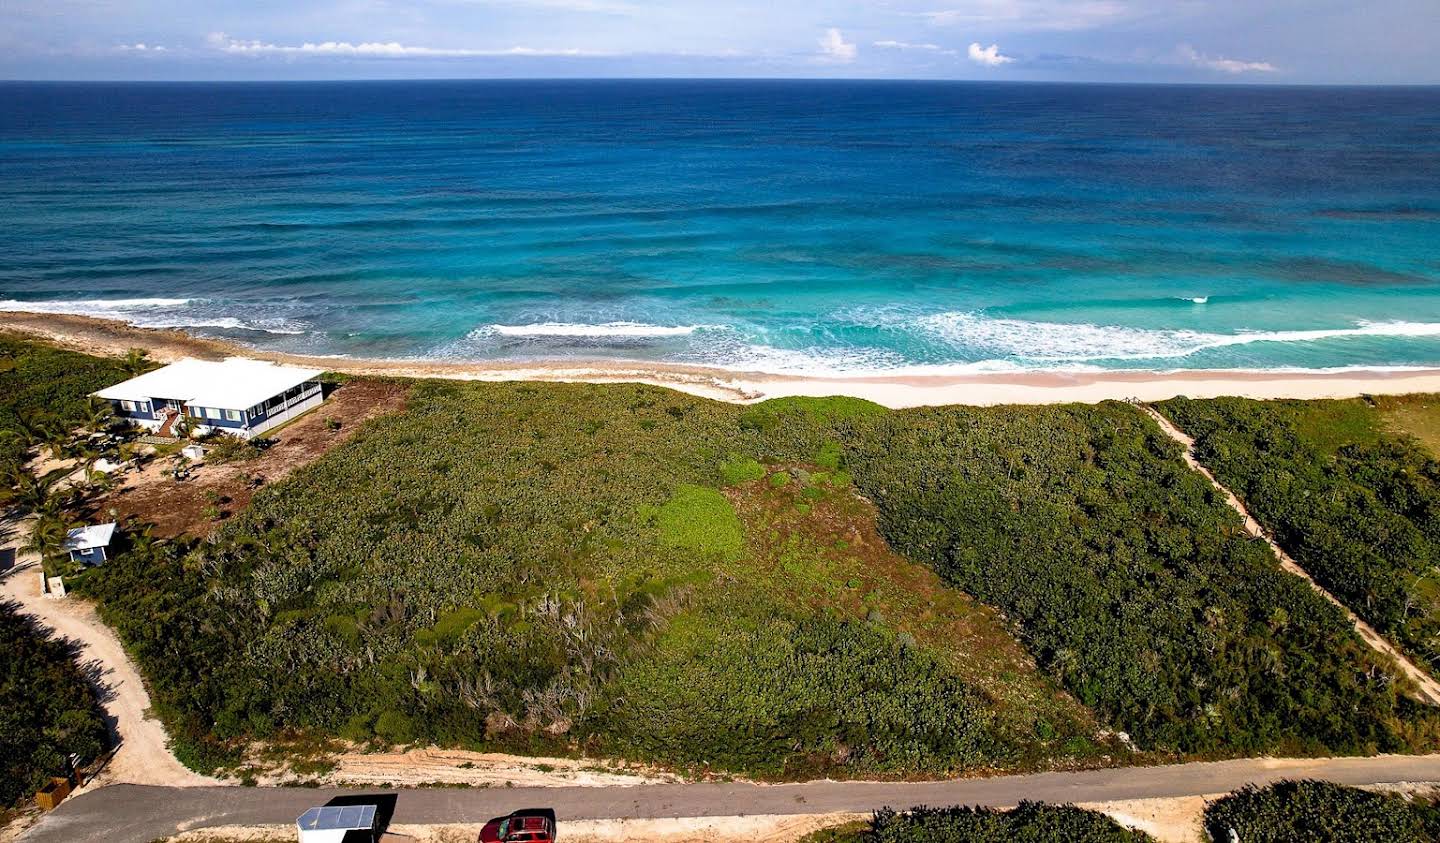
(104, 336)
(1427, 688)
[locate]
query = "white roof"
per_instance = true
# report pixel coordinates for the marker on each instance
(84, 538)
(337, 818)
(233, 384)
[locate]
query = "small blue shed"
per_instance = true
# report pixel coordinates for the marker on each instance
(90, 545)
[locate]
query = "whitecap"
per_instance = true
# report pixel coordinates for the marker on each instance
(1058, 342)
(572, 329)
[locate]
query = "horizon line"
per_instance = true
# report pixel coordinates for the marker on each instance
(830, 79)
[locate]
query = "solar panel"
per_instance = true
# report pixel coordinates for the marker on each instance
(337, 818)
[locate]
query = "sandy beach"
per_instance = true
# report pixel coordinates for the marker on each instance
(104, 336)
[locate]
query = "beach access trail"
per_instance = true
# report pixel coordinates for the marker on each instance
(1428, 689)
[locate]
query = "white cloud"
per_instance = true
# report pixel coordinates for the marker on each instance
(375, 49)
(141, 47)
(989, 56)
(1190, 55)
(905, 45)
(1030, 14)
(834, 47)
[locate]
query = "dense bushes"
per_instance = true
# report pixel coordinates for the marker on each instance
(47, 708)
(1129, 579)
(545, 566)
(1358, 508)
(1030, 822)
(554, 567)
(1304, 811)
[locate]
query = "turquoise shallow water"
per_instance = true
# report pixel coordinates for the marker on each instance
(822, 227)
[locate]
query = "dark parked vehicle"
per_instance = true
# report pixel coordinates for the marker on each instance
(520, 827)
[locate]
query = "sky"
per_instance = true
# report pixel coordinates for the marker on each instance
(1236, 41)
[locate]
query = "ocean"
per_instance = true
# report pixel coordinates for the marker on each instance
(808, 227)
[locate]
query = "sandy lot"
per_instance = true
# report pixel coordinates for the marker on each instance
(178, 507)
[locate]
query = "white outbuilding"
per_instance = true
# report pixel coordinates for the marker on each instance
(337, 824)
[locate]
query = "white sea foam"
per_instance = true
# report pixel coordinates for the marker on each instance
(91, 307)
(155, 313)
(572, 329)
(1056, 342)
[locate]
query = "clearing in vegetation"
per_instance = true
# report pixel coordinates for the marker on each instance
(1356, 504)
(198, 505)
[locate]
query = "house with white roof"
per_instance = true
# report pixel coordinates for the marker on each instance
(237, 396)
(90, 545)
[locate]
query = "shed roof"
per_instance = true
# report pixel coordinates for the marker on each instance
(337, 818)
(236, 383)
(84, 538)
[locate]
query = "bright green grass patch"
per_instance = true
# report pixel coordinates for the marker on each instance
(700, 519)
(768, 415)
(740, 469)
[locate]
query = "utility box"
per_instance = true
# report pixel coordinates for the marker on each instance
(52, 794)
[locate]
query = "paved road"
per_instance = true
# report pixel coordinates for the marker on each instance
(140, 814)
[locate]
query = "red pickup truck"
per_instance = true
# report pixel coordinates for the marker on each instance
(520, 827)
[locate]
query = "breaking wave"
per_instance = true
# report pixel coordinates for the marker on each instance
(1065, 342)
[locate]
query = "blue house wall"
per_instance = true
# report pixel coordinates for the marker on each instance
(143, 410)
(89, 556)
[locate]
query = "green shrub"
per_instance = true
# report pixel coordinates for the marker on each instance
(1030, 822)
(394, 727)
(700, 519)
(1303, 811)
(738, 470)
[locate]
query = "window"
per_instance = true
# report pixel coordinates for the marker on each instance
(232, 415)
(127, 406)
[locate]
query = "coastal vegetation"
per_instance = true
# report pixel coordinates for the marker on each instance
(631, 571)
(1356, 503)
(1130, 580)
(44, 396)
(616, 569)
(1295, 811)
(48, 711)
(627, 570)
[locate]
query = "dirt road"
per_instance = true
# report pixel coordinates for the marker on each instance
(143, 755)
(133, 814)
(1428, 689)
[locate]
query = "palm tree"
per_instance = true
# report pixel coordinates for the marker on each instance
(136, 362)
(47, 540)
(30, 493)
(98, 415)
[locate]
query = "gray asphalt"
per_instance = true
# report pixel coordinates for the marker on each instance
(141, 814)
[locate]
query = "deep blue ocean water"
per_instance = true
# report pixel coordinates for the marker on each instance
(782, 226)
